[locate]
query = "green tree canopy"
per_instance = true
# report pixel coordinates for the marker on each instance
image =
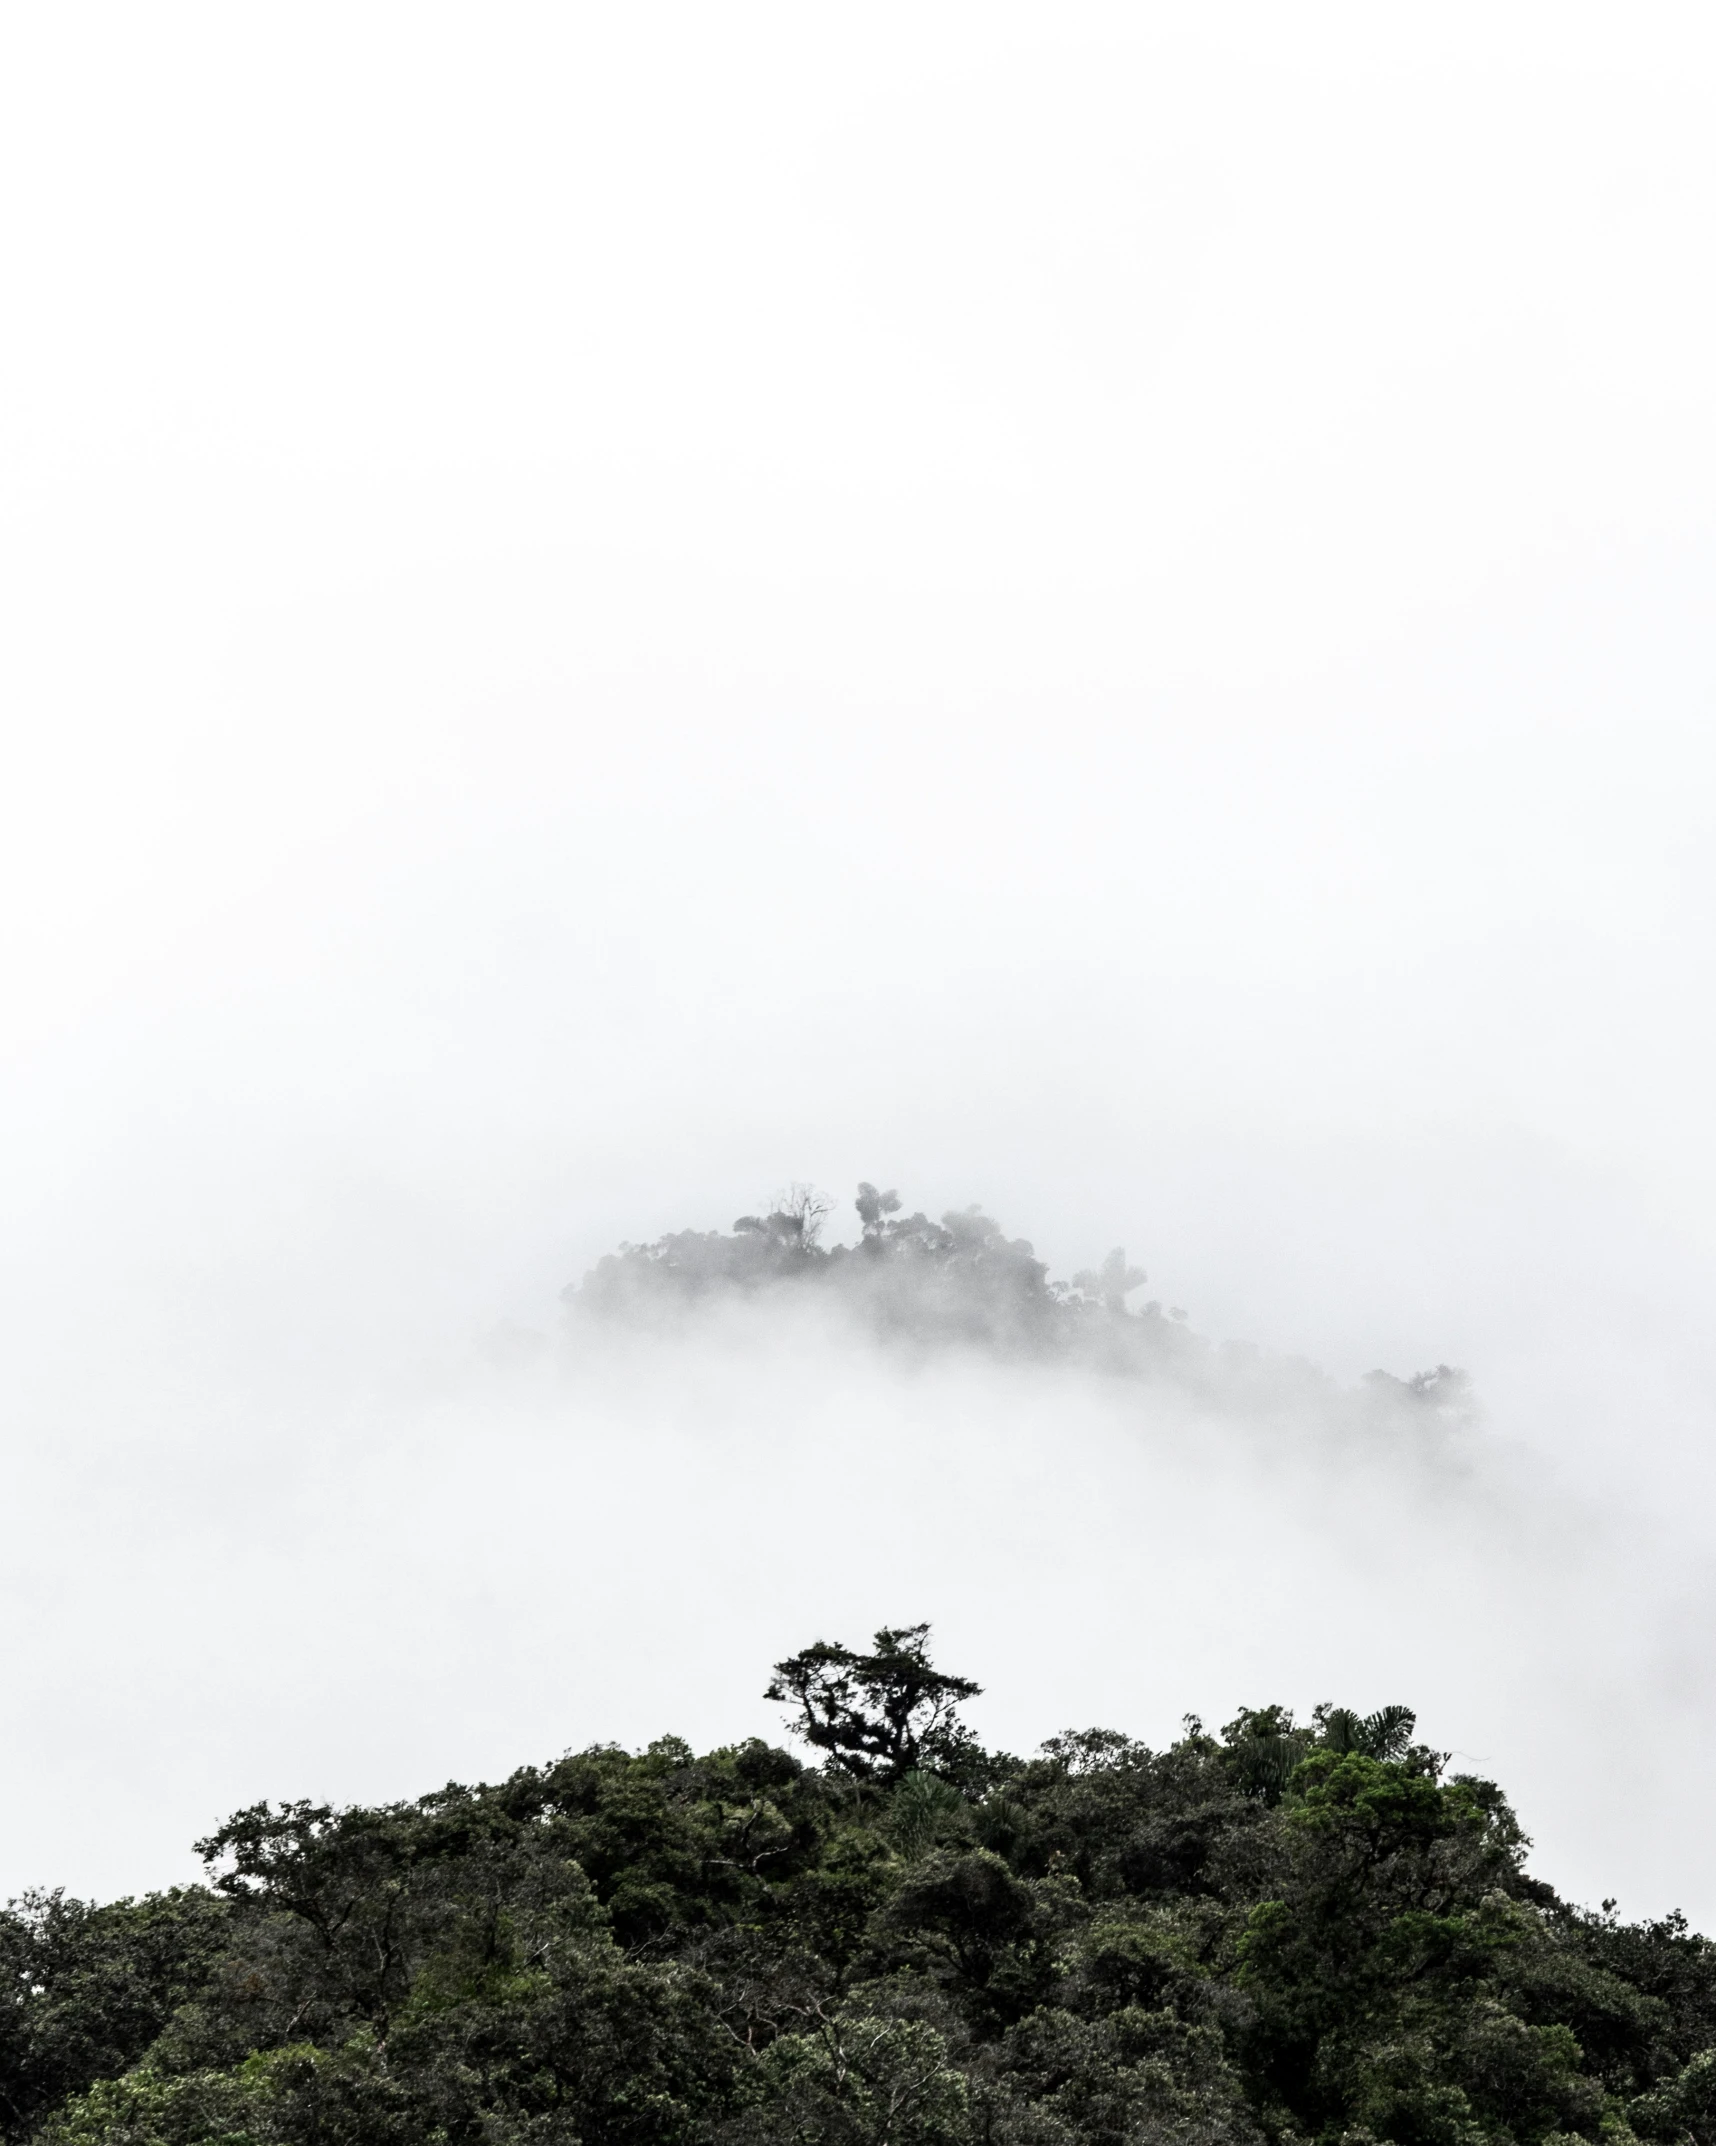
(1290, 1932)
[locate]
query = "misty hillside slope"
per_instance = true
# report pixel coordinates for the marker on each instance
(958, 1282)
(1290, 1931)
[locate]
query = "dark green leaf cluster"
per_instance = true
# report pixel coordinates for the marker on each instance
(1288, 1932)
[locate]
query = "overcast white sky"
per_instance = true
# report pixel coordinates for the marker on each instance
(1102, 609)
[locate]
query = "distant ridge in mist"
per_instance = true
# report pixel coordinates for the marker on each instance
(961, 1280)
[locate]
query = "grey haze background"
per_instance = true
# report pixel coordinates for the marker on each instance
(1098, 609)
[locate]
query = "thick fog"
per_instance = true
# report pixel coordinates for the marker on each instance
(1102, 611)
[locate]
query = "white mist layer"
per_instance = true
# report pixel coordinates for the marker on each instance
(361, 1601)
(1103, 611)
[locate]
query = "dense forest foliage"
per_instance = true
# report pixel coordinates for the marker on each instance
(960, 1280)
(1290, 1931)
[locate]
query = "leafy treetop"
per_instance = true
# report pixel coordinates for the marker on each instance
(880, 1715)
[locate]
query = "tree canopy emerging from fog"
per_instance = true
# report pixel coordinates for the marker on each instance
(1292, 1931)
(959, 1280)
(961, 1276)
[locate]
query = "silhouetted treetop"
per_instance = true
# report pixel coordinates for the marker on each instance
(879, 1715)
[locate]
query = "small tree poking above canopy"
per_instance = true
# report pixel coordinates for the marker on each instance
(878, 1716)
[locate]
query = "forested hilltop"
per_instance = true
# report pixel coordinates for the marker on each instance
(961, 1280)
(1288, 1931)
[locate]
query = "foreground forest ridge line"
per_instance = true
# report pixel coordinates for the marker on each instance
(1290, 1931)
